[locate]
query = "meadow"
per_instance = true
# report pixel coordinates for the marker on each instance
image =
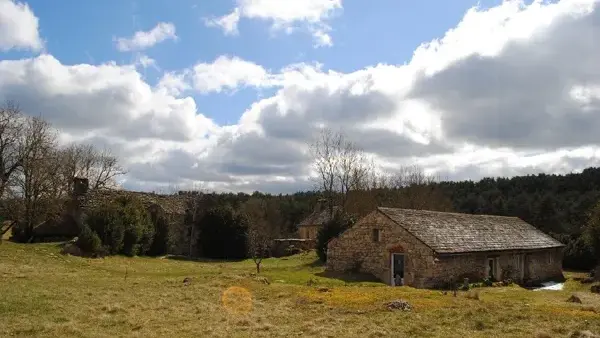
(46, 294)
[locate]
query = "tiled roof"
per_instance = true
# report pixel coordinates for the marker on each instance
(447, 232)
(318, 218)
(172, 204)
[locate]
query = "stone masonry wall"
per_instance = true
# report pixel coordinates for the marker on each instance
(544, 265)
(356, 249)
(520, 266)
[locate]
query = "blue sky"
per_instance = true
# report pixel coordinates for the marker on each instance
(228, 95)
(364, 33)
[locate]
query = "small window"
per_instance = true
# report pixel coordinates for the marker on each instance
(376, 235)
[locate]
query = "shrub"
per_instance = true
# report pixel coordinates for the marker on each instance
(330, 230)
(222, 234)
(160, 242)
(88, 241)
(123, 226)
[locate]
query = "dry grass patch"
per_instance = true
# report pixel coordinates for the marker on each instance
(51, 295)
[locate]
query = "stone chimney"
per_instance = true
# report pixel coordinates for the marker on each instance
(80, 186)
(321, 205)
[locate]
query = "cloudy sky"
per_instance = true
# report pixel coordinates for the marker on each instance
(226, 94)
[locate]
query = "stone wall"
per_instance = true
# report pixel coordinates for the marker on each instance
(355, 249)
(544, 265)
(287, 246)
(308, 231)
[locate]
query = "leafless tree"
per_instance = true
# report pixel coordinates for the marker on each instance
(259, 243)
(265, 222)
(341, 166)
(101, 168)
(412, 188)
(36, 183)
(11, 128)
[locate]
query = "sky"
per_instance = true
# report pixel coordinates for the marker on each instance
(227, 95)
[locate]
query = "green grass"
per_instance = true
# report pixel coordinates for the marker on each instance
(47, 294)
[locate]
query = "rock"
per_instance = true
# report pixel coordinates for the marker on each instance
(574, 299)
(399, 305)
(187, 281)
(584, 334)
(595, 288)
(263, 280)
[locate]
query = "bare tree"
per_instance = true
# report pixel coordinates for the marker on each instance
(11, 127)
(259, 243)
(36, 181)
(265, 222)
(412, 188)
(83, 160)
(341, 166)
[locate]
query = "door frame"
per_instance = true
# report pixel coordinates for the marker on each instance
(393, 281)
(491, 270)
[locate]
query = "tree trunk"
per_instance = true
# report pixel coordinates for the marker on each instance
(257, 268)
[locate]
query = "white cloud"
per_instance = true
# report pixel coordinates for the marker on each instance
(19, 27)
(227, 72)
(510, 90)
(227, 22)
(145, 39)
(284, 15)
(145, 61)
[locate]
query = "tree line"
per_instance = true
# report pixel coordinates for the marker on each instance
(37, 171)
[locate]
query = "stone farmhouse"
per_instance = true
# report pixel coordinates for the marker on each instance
(429, 249)
(309, 227)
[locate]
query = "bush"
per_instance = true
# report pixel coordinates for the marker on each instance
(123, 226)
(222, 234)
(578, 254)
(88, 241)
(338, 224)
(160, 243)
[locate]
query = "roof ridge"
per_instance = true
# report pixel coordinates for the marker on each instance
(448, 212)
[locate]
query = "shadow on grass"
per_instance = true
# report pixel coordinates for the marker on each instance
(203, 259)
(315, 264)
(349, 277)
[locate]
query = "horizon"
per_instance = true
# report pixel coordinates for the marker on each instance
(227, 95)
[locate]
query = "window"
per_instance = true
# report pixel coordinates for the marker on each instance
(376, 235)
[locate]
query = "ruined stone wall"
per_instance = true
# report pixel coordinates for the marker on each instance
(356, 249)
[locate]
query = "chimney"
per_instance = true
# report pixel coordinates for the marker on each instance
(321, 205)
(80, 186)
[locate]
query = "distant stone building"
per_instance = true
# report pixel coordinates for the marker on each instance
(428, 249)
(175, 208)
(309, 227)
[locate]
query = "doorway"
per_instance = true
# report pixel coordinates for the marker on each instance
(397, 269)
(491, 268)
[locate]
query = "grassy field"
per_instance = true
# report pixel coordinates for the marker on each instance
(46, 294)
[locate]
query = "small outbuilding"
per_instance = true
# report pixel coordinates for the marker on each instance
(310, 226)
(429, 249)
